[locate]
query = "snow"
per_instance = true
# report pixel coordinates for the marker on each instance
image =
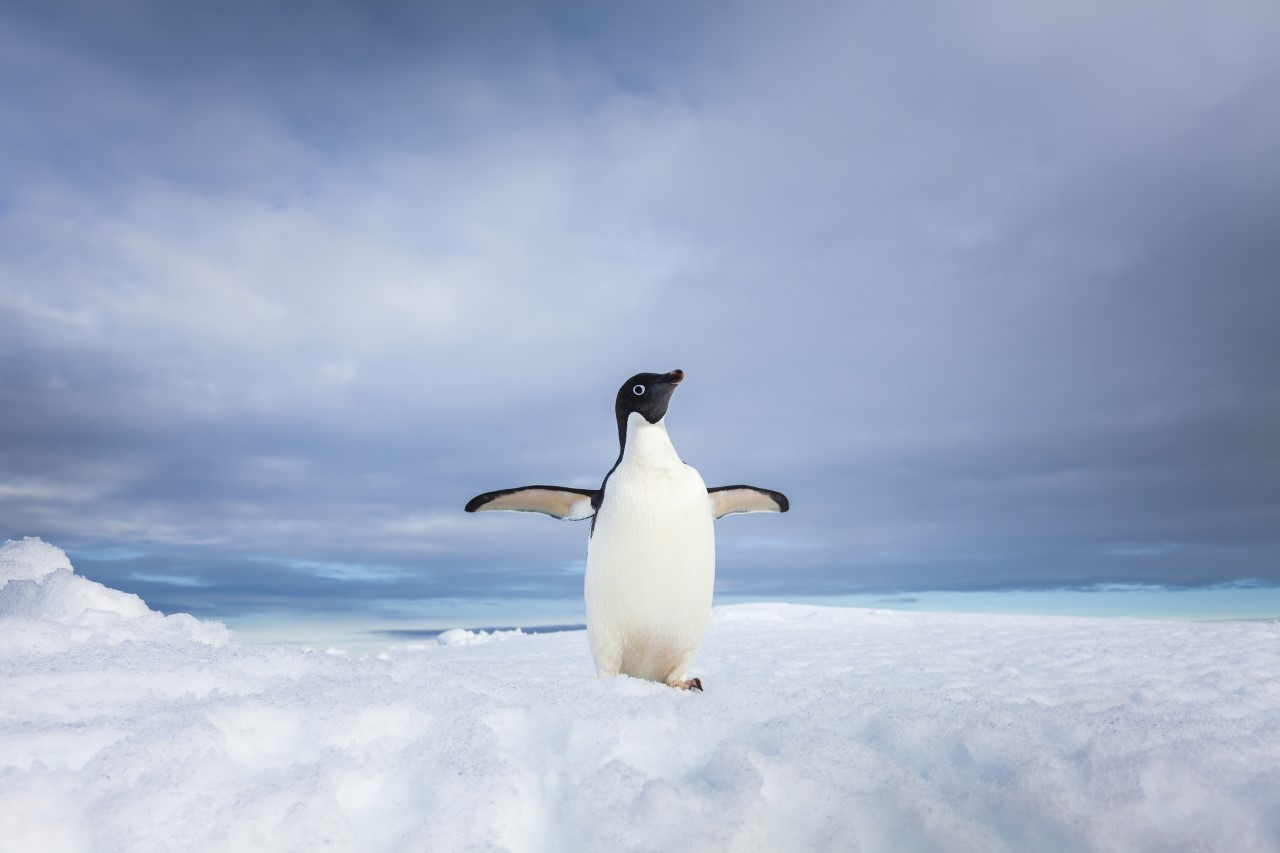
(463, 637)
(30, 559)
(820, 729)
(46, 606)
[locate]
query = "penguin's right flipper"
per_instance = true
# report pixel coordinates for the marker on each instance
(726, 500)
(557, 501)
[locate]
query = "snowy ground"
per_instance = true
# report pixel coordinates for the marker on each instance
(820, 729)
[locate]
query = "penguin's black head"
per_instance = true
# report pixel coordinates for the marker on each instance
(648, 394)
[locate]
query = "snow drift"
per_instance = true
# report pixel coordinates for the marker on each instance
(820, 729)
(45, 605)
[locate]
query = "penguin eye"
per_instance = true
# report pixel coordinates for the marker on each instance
(638, 390)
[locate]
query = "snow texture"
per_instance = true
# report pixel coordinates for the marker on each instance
(463, 637)
(820, 729)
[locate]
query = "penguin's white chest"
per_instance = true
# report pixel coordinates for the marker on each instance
(650, 561)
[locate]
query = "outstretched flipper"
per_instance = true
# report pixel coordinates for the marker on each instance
(556, 501)
(726, 500)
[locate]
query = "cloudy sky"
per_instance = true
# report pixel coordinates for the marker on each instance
(990, 290)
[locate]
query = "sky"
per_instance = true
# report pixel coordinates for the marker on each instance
(991, 291)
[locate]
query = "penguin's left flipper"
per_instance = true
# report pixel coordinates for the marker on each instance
(557, 501)
(726, 500)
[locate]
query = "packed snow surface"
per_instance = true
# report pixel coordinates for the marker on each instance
(820, 729)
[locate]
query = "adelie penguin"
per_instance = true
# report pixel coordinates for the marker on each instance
(651, 557)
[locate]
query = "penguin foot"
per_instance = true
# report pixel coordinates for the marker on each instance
(687, 684)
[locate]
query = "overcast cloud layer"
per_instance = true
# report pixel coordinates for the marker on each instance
(992, 292)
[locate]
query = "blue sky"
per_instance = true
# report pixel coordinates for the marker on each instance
(991, 292)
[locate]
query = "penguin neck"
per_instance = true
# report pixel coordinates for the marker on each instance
(645, 443)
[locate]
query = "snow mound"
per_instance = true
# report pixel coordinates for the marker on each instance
(45, 605)
(463, 637)
(30, 558)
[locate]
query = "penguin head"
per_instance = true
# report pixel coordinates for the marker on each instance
(648, 394)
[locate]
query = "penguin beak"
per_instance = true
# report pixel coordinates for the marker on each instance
(675, 377)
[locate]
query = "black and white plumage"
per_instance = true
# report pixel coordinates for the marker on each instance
(651, 552)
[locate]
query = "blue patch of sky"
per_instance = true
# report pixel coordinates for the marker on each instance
(170, 580)
(361, 572)
(104, 555)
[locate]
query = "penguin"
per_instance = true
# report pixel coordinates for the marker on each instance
(651, 559)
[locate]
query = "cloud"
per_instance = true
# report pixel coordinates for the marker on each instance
(987, 290)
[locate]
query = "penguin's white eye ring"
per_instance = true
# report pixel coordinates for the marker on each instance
(638, 390)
